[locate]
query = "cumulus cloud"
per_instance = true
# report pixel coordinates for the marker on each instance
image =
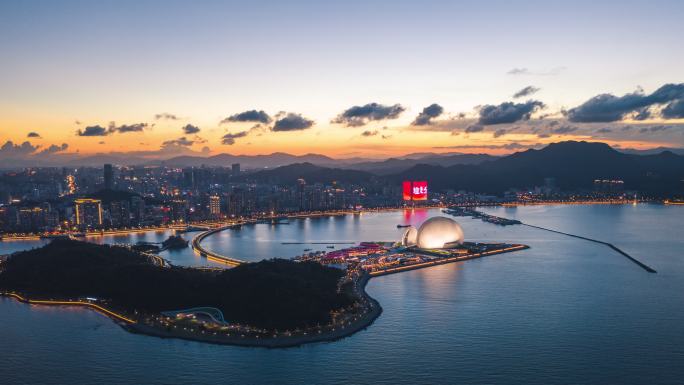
(249, 116)
(361, 115)
(124, 128)
(430, 112)
(9, 149)
(674, 110)
(370, 133)
(190, 129)
(610, 108)
(529, 90)
(474, 128)
(657, 128)
(96, 130)
(182, 141)
(292, 122)
(33, 135)
(642, 114)
(229, 139)
(53, 149)
(26, 149)
(508, 112)
(499, 132)
(564, 129)
(165, 116)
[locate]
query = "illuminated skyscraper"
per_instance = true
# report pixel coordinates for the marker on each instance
(215, 206)
(88, 212)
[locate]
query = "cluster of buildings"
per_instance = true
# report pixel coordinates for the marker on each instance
(114, 197)
(86, 198)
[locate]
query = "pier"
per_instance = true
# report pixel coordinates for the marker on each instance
(636, 261)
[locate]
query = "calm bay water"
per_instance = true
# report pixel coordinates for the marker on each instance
(565, 311)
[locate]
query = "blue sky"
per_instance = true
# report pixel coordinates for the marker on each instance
(125, 61)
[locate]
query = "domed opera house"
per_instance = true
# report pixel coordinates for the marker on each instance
(435, 233)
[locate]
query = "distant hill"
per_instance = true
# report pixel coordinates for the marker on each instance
(248, 161)
(652, 151)
(574, 165)
(396, 165)
(310, 173)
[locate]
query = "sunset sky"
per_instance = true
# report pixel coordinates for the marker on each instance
(343, 78)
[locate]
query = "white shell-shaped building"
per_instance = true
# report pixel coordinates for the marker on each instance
(410, 237)
(437, 232)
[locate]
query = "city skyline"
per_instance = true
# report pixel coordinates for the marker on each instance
(373, 80)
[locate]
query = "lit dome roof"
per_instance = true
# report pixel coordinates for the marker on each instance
(437, 232)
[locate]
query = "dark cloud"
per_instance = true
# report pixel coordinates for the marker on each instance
(33, 135)
(611, 108)
(360, 115)
(98, 130)
(190, 129)
(543, 135)
(229, 139)
(604, 130)
(369, 133)
(642, 114)
(674, 110)
(137, 127)
(93, 131)
(508, 112)
(165, 116)
(249, 116)
(53, 149)
(180, 142)
(430, 112)
(529, 90)
(507, 146)
(386, 136)
(9, 149)
(657, 128)
(26, 149)
(565, 129)
(499, 132)
(474, 128)
(292, 122)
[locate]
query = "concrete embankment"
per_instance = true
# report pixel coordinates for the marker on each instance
(636, 261)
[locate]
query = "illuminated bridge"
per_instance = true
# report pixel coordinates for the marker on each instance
(210, 255)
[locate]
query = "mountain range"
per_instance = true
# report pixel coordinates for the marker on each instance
(572, 165)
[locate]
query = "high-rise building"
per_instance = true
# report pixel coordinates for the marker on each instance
(108, 177)
(235, 169)
(215, 206)
(138, 210)
(88, 212)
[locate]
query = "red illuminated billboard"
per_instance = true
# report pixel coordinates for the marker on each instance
(407, 190)
(415, 190)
